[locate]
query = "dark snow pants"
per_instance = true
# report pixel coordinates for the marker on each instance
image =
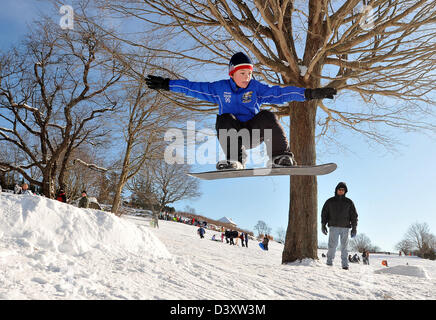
(277, 143)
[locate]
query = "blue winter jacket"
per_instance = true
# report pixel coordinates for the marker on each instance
(244, 104)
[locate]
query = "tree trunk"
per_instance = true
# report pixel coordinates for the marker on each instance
(116, 204)
(48, 181)
(64, 164)
(123, 179)
(301, 236)
(117, 198)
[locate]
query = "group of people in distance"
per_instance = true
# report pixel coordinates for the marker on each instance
(60, 194)
(228, 235)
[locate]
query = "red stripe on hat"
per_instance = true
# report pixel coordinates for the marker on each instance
(240, 66)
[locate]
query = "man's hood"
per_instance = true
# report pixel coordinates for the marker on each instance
(341, 185)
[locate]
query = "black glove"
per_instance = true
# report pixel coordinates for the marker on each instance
(157, 83)
(324, 229)
(320, 93)
(353, 232)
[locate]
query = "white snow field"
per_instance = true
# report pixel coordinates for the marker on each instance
(51, 250)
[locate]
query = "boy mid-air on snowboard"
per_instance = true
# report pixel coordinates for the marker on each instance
(239, 99)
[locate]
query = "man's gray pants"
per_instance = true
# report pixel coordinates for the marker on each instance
(334, 234)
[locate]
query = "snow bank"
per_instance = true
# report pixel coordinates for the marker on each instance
(45, 224)
(412, 271)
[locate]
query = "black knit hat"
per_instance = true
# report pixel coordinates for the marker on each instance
(239, 61)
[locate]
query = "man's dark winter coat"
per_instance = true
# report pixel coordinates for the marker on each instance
(339, 211)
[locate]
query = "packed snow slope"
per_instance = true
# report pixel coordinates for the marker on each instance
(52, 250)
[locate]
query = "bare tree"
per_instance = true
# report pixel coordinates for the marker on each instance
(382, 57)
(189, 209)
(262, 228)
(12, 155)
(80, 175)
(418, 237)
(281, 234)
(171, 182)
(147, 116)
(52, 92)
(144, 124)
(404, 246)
(161, 184)
(142, 190)
(142, 135)
(106, 184)
(361, 243)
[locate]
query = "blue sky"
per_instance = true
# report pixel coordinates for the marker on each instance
(391, 191)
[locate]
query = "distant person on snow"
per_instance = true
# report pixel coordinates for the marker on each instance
(239, 99)
(356, 258)
(155, 219)
(365, 257)
(231, 237)
(84, 201)
(25, 189)
(61, 196)
(229, 234)
(241, 236)
(340, 215)
(265, 242)
(201, 232)
(214, 238)
(246, 239)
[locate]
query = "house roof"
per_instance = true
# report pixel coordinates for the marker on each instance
(227, 220)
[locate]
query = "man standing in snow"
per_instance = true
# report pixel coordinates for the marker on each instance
(340, 215)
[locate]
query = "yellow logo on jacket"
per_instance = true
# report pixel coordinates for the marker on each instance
(246, 97)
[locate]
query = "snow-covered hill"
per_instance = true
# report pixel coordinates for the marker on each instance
(51, 250)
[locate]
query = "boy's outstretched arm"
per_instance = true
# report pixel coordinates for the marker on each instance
(278, 94)
(201, 90)
(320, 93)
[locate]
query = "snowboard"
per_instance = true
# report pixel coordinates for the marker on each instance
(261, 246)
(314, 170)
